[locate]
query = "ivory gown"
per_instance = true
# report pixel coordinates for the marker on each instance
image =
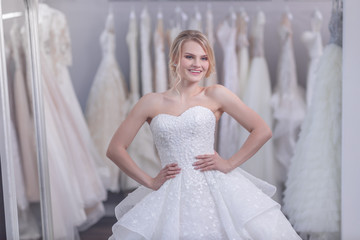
(142, 149)
(161, 79)
(145, 40)
(107, 105)
(198, 205)
(228, 127)
(242, 44)
(288, 100)
(23, 117)
(76, 188)
(28, 227)
(258, 97)
(313, 188)
(313, 42)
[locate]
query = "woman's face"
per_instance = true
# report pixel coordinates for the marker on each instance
(194, 62)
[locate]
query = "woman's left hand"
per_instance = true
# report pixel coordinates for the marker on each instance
(208, 162)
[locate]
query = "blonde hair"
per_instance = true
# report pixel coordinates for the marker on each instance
(175, 53)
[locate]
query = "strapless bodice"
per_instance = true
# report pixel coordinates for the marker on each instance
(180, 138)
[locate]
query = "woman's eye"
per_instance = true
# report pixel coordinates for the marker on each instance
(189, 57)
(204, 58)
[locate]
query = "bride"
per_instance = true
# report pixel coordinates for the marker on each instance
(197, 194)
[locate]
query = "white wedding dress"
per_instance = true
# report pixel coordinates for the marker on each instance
(228, 127)
(258, 97)
(106, 106)
(288, 100)
(242, 52)
(313, 42)
(145, 40)
(198, 205)
(313, 188)
(23, 117)
(161, 79)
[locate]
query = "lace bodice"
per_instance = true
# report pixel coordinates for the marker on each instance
(180, 138)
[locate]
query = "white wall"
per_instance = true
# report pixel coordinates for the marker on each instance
(351, 123)
(86, 21)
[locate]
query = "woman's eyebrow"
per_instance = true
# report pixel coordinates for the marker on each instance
(194, 54)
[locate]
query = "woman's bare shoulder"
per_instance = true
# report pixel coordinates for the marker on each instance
(216, 91)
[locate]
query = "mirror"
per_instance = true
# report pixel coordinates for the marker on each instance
(71, 57)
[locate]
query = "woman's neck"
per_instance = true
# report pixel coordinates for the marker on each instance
(185, 90)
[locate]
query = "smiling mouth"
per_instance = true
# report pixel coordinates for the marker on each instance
(195, 71)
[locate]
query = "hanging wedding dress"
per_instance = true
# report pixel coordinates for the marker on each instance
(199, 205)
(288, 100)
(313, 187)
(258, 97)
(76, 189)
(28, 228)
(212, 79)
(145, 40)
(242, 51)
(142, 149)
(177, 25)
(161, 80)
(313, 42)
(229, 134)
(106, 105)
(23, 118)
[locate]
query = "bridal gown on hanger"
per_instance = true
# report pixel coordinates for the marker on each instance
(288, 100)
(76, 189)
(107, 105)
(145, 40)
(23, 117)
(258, 97)
(28, 228)
(142, 149)
(242, 52)
(313, 42)
(161, 80)
(199, 205)
(212, 79)
(313, 188)
(229, 134)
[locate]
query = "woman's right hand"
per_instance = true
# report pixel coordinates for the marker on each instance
(168, 172)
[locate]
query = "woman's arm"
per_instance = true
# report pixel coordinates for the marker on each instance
(123, 137)
(260, 132)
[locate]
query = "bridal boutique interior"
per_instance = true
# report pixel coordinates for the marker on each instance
(71, 71)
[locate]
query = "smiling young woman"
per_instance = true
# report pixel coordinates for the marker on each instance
(197, 194)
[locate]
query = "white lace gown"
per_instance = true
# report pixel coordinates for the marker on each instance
(258, 97)
(76, 188)
(313, 188)
(106, 105)
(228, 127)
(145, 41)
(142, 149)
(288, 100)
(161, 80)
(199, 205)
(242, 52)
(313, 42)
